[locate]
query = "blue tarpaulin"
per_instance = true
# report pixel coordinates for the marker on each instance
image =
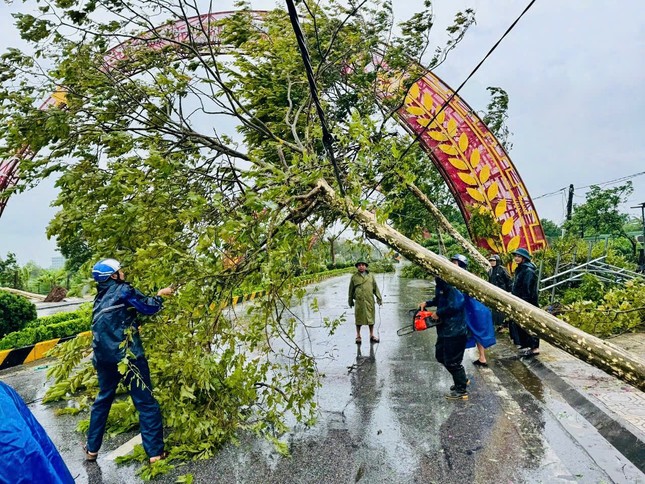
(479, 320)
(27, 455)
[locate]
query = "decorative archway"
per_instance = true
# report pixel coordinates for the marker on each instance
(473, 163)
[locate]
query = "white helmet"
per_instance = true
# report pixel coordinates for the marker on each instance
(103, 269)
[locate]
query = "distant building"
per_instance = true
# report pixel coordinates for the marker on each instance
(58, 262)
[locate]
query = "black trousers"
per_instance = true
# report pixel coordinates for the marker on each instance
(449, 351)
(522, 338)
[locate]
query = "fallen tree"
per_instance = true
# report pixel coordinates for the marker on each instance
(599, 353)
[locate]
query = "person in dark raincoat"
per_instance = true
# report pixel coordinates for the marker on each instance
(27, 454)
(498, 276)
(362, 290)
(115, 336)
(452, 332)
(525, 286)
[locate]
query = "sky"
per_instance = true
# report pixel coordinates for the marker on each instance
(574, 72)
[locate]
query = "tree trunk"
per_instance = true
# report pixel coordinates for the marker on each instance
(596, 352)
(443, 221)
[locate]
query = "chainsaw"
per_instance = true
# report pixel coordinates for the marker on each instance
(421, 320)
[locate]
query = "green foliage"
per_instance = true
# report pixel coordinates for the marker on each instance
(150, 174)
(381, 265)
(33, 335)
(15, 312)
(619, 311)
(600, 214)
(590, 289)
(496, 116)
(483, 223)
(412, 271)
(59, 317)
(551, 229)
(10, 275)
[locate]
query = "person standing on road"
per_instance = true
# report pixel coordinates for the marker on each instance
(452, 333)
(115, 340)
(362, 290)
(498, 276)
(525, 286)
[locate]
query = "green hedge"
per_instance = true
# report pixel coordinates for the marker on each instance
(55, 318)
(30, 336)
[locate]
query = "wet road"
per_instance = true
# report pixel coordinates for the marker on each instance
(383, 417)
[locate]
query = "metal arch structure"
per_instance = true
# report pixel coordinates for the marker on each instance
(473, 163)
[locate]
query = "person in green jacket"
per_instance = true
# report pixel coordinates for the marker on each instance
(362, 289)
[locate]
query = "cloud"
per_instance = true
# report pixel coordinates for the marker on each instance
(574, 72)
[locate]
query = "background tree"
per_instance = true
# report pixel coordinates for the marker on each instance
(599, 214)
(208, 171)
(551, 229)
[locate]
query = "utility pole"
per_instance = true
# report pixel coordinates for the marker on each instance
(570, 202)
(642, 254)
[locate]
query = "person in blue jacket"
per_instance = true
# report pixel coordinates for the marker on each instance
(27, 454)
(115, 336)
(452, 332)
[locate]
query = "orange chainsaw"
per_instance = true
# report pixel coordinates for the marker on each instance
(421, 320)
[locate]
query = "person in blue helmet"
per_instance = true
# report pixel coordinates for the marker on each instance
(525, 286)
(115, 336)
(452, 332)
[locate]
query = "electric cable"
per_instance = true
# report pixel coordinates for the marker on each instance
(327, 138)
(452, 96)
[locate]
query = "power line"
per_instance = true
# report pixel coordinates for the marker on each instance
(600, 184)
(452, 96)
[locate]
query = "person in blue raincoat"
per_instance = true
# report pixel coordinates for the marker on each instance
(452, 333)
(27, 455)
(115, 336)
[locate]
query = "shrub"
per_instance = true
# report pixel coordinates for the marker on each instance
(55, 318)
(413, 271)
(381, 265)
(15, 312)
(30, 336)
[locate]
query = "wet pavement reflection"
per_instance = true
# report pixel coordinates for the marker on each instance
(382, 415)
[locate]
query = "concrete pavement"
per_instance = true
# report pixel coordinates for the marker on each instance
(383, 418)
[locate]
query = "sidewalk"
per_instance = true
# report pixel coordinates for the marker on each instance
(614, 408)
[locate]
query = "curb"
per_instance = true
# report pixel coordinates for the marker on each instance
(27, 354)
(615, 430)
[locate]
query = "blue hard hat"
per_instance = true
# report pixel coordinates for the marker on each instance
(522, 252)
(103, 269)
(461, 260)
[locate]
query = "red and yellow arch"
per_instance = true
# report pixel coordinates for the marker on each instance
(475, 166)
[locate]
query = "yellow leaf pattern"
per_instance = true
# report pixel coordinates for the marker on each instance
(475, 156)
(492, 192)
(513, 244)
(415, 110)
(457, 163)
(452, 127)
(414, 90)
(484, 174)
(468, 167)
(475, 194)
(500, 208)
(468, 179)
(437, 136)
(493, 245)
(463, 142)
(448, 149)
(427, 102)
(507, 226)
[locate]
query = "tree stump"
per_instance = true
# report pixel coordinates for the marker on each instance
(57, 294)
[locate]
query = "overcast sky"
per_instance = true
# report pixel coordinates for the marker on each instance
(574, 72)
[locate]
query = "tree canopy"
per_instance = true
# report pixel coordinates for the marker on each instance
(192, 158)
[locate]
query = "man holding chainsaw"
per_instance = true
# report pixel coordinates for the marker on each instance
(452, 332)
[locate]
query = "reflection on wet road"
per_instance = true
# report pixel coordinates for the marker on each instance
(383, 416)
